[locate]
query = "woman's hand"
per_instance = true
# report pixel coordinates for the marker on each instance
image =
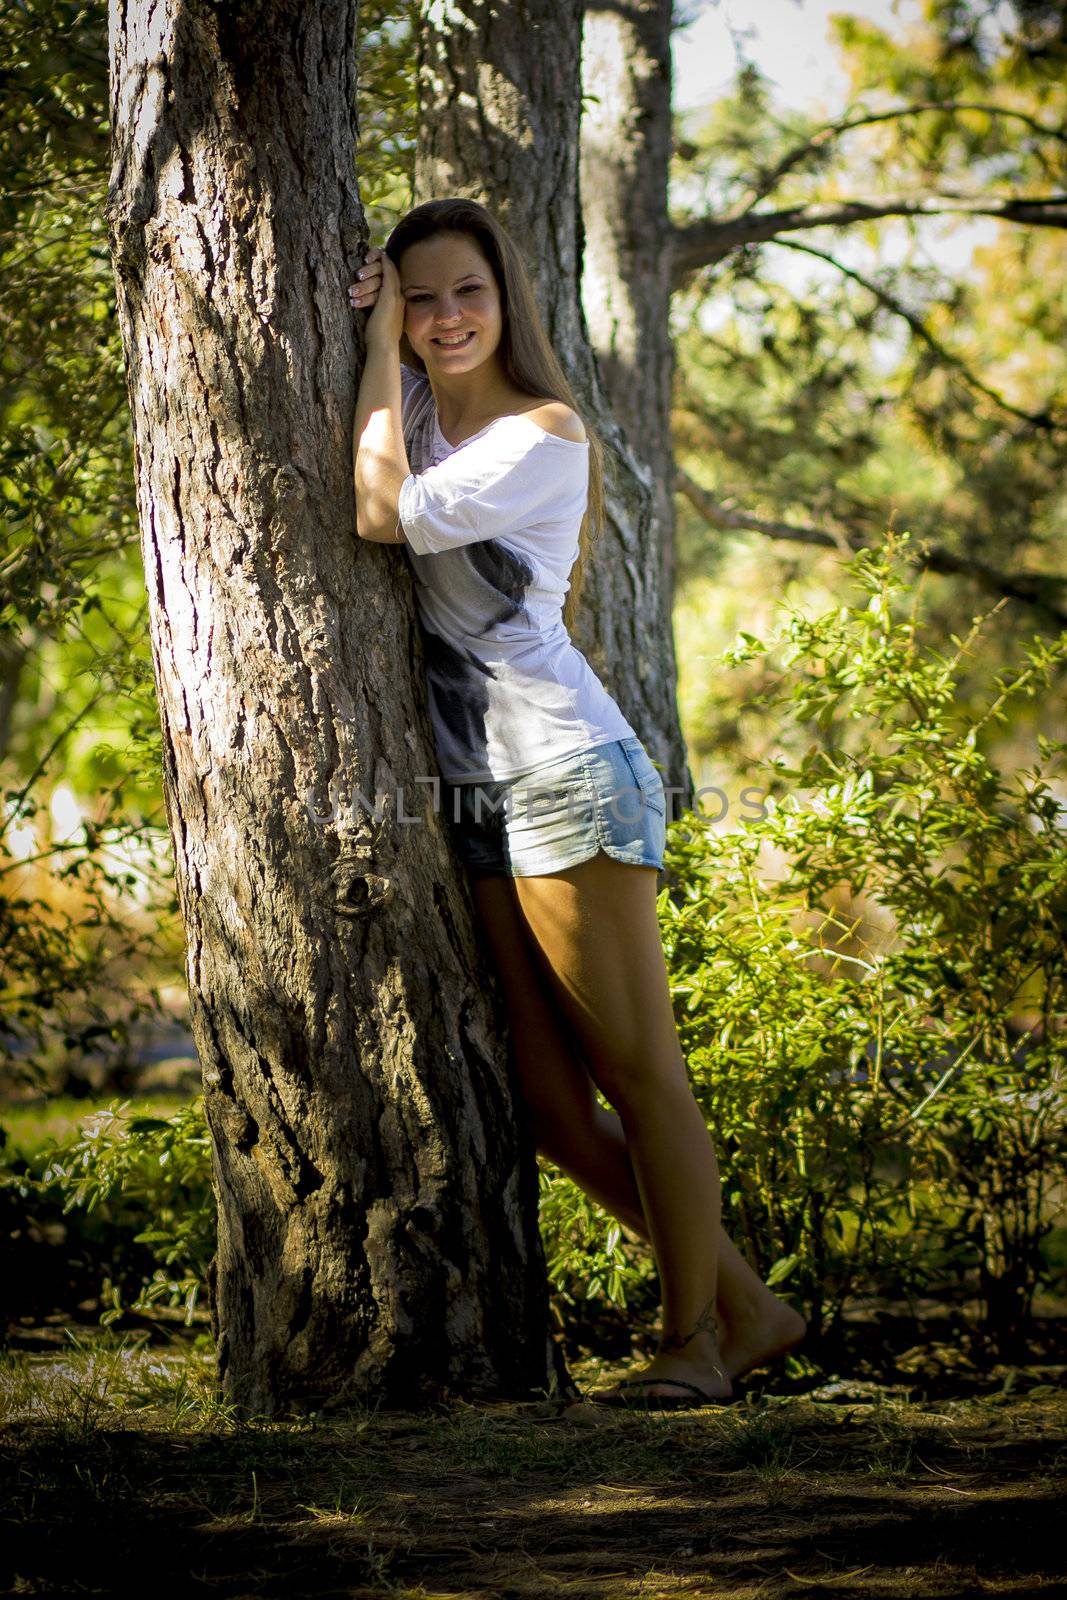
(377, 290)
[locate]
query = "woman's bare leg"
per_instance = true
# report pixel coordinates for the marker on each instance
(587, 1141)
(597, 936)
(756, 1325)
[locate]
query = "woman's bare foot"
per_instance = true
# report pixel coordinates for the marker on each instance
(763, 1334)
(699, 1362)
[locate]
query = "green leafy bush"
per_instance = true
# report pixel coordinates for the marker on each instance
(129, 1199)
(603, 1279)
(869, 976)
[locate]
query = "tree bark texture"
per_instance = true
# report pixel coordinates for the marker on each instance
(626, 141)
(500, 122)
(376, 1191)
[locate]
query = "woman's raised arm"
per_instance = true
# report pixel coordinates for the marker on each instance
(380, 458)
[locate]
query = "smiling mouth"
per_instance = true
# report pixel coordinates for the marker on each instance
(456, 343)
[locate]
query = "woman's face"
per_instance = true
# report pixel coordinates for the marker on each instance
(449, 289)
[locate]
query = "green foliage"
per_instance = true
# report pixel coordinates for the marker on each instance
(586, 1260)
(876, 1031)
(138, 1189)
(387, 108)
(89, 924)
(84, 913)
(869, 976)
(885, 378)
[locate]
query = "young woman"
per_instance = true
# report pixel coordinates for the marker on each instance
(469, 450)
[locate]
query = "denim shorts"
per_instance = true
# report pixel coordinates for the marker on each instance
(609, 797)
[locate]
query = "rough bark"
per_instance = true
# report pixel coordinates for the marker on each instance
(377, 1194)
(626, 286)
(499, 121)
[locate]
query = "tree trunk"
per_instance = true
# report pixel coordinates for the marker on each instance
(499, 121)
(626, 279)
(376, 1192)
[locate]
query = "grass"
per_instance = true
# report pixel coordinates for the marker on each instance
(114, 1451)
(107, 1378)
(921, 1473)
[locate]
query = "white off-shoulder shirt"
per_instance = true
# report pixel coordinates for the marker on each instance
(491, 529)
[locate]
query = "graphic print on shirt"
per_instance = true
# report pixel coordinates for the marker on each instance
(457, 689)
(486, 580)
(506, 573)
(506, 687)
(490, 581)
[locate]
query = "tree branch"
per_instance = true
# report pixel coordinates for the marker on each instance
(1037, 419)
(1031, 588)
(700, 243)
(833, 130)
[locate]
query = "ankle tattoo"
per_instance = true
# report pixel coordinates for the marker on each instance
(707, 1322)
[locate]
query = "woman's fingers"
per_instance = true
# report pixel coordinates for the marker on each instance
(361, 295)
(368, 282)
(378, 273)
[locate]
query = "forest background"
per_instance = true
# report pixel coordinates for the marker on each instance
(870, 950)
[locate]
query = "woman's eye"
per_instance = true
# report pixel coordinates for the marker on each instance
(468, 288)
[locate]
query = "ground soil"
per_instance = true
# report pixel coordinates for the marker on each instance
(929, 1485)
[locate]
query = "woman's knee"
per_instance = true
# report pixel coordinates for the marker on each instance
(557, 1092)
(633, 1079)
(573, 1137)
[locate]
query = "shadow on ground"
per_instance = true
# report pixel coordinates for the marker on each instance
(774, 1495)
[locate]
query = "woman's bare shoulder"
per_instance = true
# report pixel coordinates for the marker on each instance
(557, 418)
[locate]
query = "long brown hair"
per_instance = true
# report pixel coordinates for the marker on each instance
(528, 359)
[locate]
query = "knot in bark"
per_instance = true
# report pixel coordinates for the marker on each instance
(358, 890)
(288, 486)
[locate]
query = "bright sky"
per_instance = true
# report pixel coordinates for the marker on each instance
(787, 39)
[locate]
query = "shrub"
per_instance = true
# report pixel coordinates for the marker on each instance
(131, 1199)
(877, 1033)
